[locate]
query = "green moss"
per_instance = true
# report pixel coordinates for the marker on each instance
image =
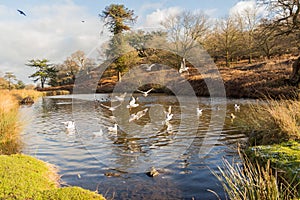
(284, 156)
(24, 177)
(67, 193)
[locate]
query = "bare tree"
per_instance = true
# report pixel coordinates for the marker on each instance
(228, 37)
(185, 31)
(249, 19)
(286, 20)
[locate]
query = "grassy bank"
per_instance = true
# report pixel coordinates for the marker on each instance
(273, 168)
(24, 177)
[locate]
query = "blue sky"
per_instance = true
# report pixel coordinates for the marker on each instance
(53, 29)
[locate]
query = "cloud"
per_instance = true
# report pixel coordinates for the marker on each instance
(155, 18)
(48, 31)
(241, 6)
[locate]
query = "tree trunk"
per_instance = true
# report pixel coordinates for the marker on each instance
(295, 76)
(119, 76)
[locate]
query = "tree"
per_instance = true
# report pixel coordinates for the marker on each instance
(248, 21)
(9, 76)
(286, 20)
(185, 30)
(228, 38)
(44, 70)
(117, 18)
(20, 85)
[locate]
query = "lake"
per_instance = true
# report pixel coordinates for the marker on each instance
(184, 151)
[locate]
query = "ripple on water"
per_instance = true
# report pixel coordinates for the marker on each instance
(83, 157)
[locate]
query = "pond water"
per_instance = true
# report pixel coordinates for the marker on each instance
(184, 151)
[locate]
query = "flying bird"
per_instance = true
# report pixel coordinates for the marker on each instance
(199, 112)
(145, 94)
(132, 103)
(21, 12)
(111, 108)
(236, 107)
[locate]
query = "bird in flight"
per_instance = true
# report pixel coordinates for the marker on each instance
(145, 94)
(21, 12)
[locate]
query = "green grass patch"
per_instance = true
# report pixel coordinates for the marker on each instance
(24, 177)
(284, 156)
(67, 193)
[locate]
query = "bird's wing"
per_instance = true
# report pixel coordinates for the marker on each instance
(108, 107)
(149, 90)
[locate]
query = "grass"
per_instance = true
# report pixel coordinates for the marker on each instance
(273, 122)
(253, 181)
(9, 124)
(24, 177)
(284, 156)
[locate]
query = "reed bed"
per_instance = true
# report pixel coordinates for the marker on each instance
(9, 124)
(272, 122)
(252, 181)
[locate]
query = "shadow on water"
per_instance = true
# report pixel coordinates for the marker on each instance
(115, 164)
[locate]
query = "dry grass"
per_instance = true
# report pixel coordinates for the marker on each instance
(9, 124)
(272, 122)
(21, 94)
(252, 181)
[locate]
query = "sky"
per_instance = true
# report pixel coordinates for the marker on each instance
(55, 29)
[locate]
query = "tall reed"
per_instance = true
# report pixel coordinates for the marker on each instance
(251, 181)
(273, 121)
(9, 124)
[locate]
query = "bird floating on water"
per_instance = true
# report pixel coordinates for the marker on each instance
(132, 103)
(21, 12)
(145, 94)
(70, 126)
(113, 129)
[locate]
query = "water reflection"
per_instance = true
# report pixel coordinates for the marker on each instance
(94, 151)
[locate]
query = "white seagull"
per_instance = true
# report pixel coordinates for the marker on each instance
(236, 107)
(149, 67)
(111, 108)
(132, 103)
(113, 129)
(145, 94)
(120, 98)
(169, 115)
(183, 67)
(138, 115)
(199, 112)
(70, 126)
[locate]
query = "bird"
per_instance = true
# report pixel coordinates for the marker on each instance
(21, 12)
(99, 133)
(132, 103)
(150, 67)
(236, 107)
(111, 108)
(183, 67)
(138, 115)
(199, 112)
(145, 94)
(82, 21)
(70, 126)
(120, 98)
(232, 116)
(113, 129)
(169, 115)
